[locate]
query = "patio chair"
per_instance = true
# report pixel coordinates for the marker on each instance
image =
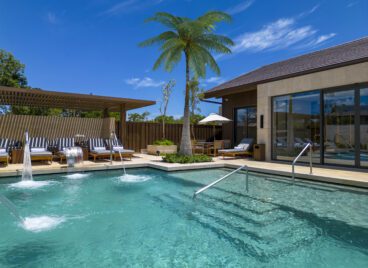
(38, 147)
(97, 149)
(197, 147)
(4, 151)
(217, 145)
(118, 149)
(244, 148)
(63, 143)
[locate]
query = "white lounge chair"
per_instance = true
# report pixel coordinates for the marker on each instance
(4, 151)
(244, 148)
(118, 149)
(38, 147)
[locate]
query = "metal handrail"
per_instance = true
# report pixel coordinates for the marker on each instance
(299, 155)
(222, 178)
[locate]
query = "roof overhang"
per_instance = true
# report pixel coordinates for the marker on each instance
(229, 91)
(52, 99)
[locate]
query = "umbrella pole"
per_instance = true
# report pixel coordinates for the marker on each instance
(214, 134)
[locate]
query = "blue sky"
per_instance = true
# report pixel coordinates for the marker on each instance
(91, 46)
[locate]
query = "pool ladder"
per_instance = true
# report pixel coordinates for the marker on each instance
(223, 178)
(309, 145)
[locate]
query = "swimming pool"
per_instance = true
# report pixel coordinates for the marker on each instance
(152, 221)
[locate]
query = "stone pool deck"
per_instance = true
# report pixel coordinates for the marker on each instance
(350, 177)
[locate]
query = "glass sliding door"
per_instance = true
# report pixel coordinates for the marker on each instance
(339, 127)
(363, 128)
(245, 123)
(296, 122)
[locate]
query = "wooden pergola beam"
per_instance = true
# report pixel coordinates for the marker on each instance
(53, 99)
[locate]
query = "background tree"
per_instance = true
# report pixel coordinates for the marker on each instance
(166, 93)
(136, 117)
(196, 93)
(169, 119)
(11, 71)
(11, 74)
(193, 38)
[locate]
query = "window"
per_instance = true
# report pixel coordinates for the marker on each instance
(339, 127)
(296, 122)
(245, 123)
(364, 127)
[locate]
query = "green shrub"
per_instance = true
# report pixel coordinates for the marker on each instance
(184, 159)
(163, 142)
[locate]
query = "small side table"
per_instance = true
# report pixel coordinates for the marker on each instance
(85, 153)
(17, 156)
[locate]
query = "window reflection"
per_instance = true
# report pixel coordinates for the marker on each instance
(339, 127)
(296, 122)
(364, 127)
(246, 123)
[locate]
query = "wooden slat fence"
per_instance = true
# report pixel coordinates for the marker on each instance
(14, 126)
(141, 134)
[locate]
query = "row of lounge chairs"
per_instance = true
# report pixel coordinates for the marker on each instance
(40, 149)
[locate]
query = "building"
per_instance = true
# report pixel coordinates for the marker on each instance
(321, 98)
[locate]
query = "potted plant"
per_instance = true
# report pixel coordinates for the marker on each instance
(162, 147)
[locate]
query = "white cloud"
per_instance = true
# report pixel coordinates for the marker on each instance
(240, 7)
(213, 80)
(280, 34)
(128, 6)
(323, 38)
(308, 12)
(144, 82)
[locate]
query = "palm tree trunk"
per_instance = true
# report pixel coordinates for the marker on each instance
(185, 144)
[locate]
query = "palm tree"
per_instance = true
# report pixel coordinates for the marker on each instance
(193, 38)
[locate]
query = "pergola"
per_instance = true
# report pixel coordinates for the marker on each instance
(85, 102)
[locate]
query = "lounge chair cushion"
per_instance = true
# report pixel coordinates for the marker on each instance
(38, 142)
(104, 151)
(42, 153)
(118, 148)
(63, 143)
(3, 154)
(2, 150)
(99, 149)
(4, 144)
(125, 151)
(38, 150)
(232, 151)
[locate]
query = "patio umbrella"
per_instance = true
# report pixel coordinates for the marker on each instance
(214, 118)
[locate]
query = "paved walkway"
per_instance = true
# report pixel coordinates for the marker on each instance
(357, 178)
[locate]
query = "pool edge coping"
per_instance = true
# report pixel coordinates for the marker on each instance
(182, 167)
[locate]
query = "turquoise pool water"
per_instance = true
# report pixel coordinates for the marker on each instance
(152, 221)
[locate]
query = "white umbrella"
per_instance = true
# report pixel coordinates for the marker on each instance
(214, 118)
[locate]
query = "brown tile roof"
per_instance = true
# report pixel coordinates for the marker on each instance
(337, 56)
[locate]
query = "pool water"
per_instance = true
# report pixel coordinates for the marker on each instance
(149, 219)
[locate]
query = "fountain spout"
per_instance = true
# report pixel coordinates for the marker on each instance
(27, 165)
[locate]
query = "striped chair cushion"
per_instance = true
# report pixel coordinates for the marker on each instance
(38, 142)
(95, 142)
(53, 142)
(65, 143)
(4, 144)
(115, 143)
